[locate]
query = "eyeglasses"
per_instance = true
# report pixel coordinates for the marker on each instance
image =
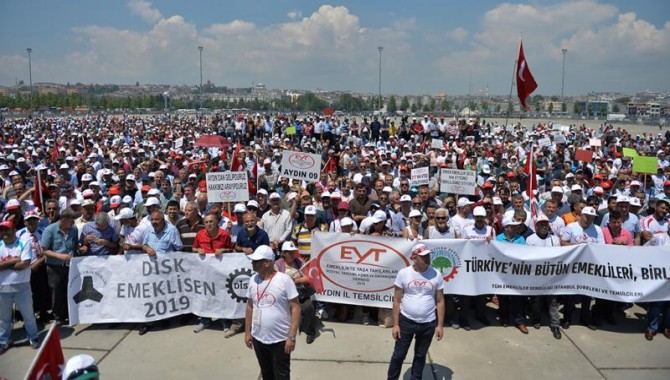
(441, 218)
(404, 184)
(416, 204)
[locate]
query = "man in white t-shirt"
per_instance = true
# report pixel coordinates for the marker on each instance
(582, 231)
(418, 294)
(272, 316)
(462, 219)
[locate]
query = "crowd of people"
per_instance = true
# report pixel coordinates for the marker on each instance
(105, 185)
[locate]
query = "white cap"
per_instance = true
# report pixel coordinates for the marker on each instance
(239, 207)
(622, 199)
(86, 177)
(127, 199)
(635, 183)
(192, 175)
(154, 191)
(379, 216)
(253, 203)
(510, 221)
(87, 193)
(557, 189)
(576, 187)
(634, 201)
(75, 202)
(589, 211)
(288, 246)
(569, 175)
(326, 194)
(290, 196)
(387, 189)
(130, 177)
(414, 213)
(405, 198)
(125, 213)
(64, 166)
(87, 202)
(541, 218)
(262, 191)
(486, 169)
(274, 196)
(420, 250)
(463, 201)
(263, 252)
(598, 190)
(479, 211)
(497, 201)
(78, 362)
(310, 210)
(346, 221)
(152, 201)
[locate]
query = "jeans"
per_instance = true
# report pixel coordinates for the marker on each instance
(23, 299)
(274, 361)
(58, 277)
(408, 331)
(654, 316)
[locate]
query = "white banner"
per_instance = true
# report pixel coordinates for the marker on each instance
(302, 166)
(138, 288)
(227, 187)
(545, 141)
(437, 144)
(361, 269)
(458, 181)
(419, 176)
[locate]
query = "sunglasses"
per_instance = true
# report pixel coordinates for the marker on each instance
(416, 204)
(441, 217)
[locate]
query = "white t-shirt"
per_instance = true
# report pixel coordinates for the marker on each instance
(418, 300)
(458, 224)
(658, 240)
(134, 236)
(557, 225)
(649, 223)
(549, 241)
(473, 233)
(274, 322)
(575, 234)
(433, 233)
(21, 249)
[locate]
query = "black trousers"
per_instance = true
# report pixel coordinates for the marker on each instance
(39, 284)
(58, 279)
(275, 363)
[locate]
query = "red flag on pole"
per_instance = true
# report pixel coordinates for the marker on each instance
(49, 361)
(531, 184)
(525, 83)
(236, 165)
(54, 152)
(41, 192)
(331, 166)
(311, 270)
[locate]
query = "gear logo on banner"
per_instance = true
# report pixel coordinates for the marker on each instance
(446, 261)
(237, 284)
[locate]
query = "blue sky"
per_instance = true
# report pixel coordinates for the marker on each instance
(429, 46)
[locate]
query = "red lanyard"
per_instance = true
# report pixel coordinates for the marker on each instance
(260, 297)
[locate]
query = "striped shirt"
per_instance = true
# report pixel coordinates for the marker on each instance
(303, 237)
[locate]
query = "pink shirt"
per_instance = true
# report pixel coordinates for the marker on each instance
(624, 236)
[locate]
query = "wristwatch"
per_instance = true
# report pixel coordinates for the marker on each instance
(291, 338)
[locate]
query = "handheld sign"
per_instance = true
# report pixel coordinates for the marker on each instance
(458, 181)
(595, 142)
(437, 144)
(227, 187)
(584, 155)
(643, 164)
(546, 141)
(178, 143)
(420, 176)
(302, 166)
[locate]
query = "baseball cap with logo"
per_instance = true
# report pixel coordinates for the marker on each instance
(420, 250)
(125, 213)
(288, 246)
(310, 210)
(463, 201)
(406, 198)
(263, 252)
(13, 204)
(589, 211)
(274, 196)
(346, 221)
(510, 221)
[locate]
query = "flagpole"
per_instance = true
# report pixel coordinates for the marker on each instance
(42, 348)
(39, 190)
(509, 105)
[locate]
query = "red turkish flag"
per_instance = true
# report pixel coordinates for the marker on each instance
(525, 83)
(49, 361)
(41, 192)
(531, 170)
(313, 273)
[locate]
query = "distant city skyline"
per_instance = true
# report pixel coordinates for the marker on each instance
(429, 46)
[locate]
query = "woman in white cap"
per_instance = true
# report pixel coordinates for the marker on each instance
(414, 231)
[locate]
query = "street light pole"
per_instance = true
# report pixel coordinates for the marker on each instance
(30, 75)
(381, 103)
(563, 77)
(200, 48)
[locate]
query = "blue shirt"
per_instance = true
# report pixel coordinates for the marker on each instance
(56, 240)
(108, 234)
(165, 241)
(518, 239)
(246, 241)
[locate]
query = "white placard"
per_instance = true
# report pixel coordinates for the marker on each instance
(302, 166)
(420, 176)
(178, 143)
(458, 181)
(437, 144)
(227, 187)
(595, 142)
(139, 288)
(560, 139)
(546, 141)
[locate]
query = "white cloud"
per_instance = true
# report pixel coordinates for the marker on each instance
(145, 10)
(294, 14)
(459, 34)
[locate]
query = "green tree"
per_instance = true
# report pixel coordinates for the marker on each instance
(564, 107)
(404, 104)
(551, 107)
(444, 105)
(431, 105)
(419, 103)
(392, 106)
(615, 108)
(554, 98)
(414, 107)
